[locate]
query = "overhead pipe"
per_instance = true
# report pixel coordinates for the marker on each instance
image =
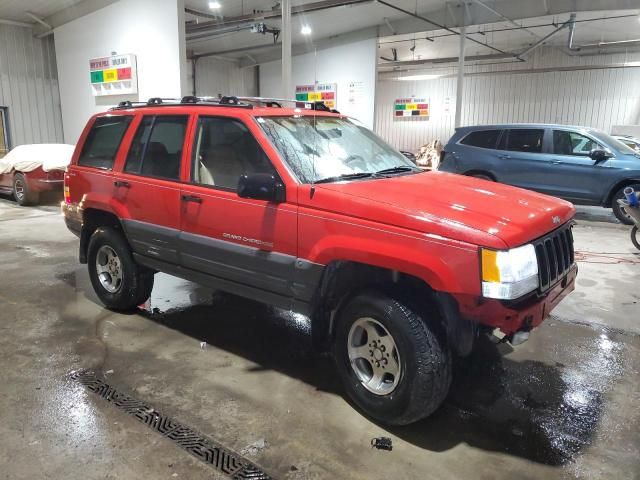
(568, 23)
(277, 13)
(498, 14)
(439, 25)
(578, 48)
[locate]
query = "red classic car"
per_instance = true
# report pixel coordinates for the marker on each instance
(29, 170)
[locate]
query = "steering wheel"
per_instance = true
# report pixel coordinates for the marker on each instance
(353, 159)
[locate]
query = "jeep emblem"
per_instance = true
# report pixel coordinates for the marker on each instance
(556, 219)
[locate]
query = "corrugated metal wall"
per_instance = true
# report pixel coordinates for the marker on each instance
(596, 98)
(215, 77)
(29, 86)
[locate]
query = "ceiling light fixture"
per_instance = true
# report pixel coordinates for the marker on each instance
(214, 5)
(419, 77)
(305, 30)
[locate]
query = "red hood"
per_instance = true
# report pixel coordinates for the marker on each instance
(453, 206)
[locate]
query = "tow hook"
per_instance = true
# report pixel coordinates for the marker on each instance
(514, 339)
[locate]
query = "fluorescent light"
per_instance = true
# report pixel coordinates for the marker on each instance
(419, 77)
(631, 64)
(305, 30)
(214, 5)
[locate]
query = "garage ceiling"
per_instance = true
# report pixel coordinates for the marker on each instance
(15, 10)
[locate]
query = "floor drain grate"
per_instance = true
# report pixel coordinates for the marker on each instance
(195, 443)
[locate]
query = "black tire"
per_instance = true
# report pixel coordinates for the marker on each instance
(635, 238)
(21, 192)
(482, 176)
(425, 360)
(136, 283)
(617, 209)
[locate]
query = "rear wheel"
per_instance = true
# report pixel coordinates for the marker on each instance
(618, 211)
(118, 281)
(393, 361)
(21, 192)
(635, 237)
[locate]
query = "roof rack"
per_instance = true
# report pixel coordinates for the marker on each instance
(223, 101)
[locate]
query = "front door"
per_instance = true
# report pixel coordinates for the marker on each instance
(576, 176)
(148, 187)
(249, 243)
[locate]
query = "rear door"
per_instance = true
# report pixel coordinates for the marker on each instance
(148, 187)
(243, 241)
(524, 163)
(576, 176)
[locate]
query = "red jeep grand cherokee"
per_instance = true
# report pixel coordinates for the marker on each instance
(398, 269)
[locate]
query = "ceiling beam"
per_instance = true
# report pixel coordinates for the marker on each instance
(71, 13)
(13, 23)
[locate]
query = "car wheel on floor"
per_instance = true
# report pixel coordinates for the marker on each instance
(392, 358)
(635, 237)
(21, 192)
(118, 281)
(618, 211)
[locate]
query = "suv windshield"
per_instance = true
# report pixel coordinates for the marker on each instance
(614, 142)
(332, 149)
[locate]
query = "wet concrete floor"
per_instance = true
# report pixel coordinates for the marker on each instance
(563, 405)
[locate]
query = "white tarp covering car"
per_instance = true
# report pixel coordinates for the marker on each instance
(26, 158)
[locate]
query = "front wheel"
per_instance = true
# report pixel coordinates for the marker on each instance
(635, 237)
(118, 281)
(392, 359)
(618, 211)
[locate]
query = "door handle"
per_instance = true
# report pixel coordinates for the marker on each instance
(556, 162)
(191, 198)
(121, 183)
(504, 157)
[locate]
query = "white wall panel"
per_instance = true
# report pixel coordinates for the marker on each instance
(215, 77)
(596, 98)
(29, 86)
(149, 29)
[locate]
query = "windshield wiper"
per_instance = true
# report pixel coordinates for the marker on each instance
(345, 176)
(398, 169)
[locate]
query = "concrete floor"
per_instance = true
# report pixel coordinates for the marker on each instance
(563, 405)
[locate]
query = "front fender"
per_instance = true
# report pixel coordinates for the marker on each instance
(447, 266)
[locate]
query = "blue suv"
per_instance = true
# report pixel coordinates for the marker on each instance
(582, 165)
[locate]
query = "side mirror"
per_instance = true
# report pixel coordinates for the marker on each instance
(599, 155)
(261, 186)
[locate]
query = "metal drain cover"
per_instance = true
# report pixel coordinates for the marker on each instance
(204, 449)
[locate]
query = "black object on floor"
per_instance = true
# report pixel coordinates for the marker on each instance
(382, 443)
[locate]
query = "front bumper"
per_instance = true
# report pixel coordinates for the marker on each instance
(512, 317)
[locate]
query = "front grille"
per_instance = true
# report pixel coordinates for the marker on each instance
(555, 256)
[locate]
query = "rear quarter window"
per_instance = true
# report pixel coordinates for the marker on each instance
(482, 139)
(101, 146)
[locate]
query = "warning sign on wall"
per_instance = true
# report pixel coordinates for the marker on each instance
(411, 107)
(116, 75)
(320, 92)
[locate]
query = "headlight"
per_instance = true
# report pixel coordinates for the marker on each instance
(509, 274)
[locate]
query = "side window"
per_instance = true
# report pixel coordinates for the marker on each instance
(101, 146)
(525, 140)
(572, 143)
(225, 150)
(156, 149)
(482, 138)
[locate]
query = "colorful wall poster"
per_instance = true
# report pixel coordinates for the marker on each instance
(115, 75)
(411, 107)
(320, 92)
